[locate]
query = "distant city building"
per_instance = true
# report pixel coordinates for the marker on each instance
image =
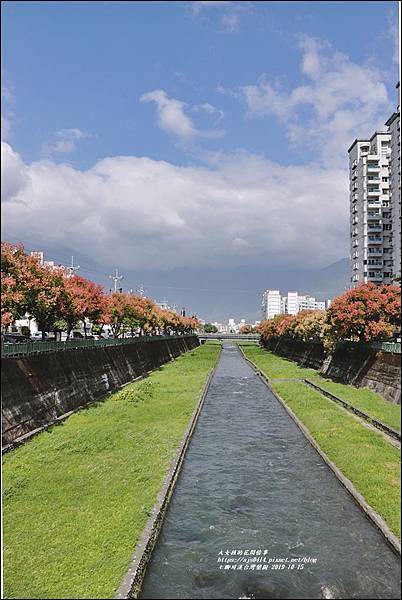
(271, 304)
(274, 304)
(375, 205)
(46, 263)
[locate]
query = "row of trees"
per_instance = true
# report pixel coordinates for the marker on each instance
(366, 313)
(59, 303)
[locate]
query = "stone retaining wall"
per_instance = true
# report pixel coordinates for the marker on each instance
(39, 388)
(362, 367)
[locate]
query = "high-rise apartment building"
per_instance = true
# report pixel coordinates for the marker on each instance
(394, 128)
(271, 304)
(374, 175)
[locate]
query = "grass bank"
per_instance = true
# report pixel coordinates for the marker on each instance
(276, 367)
(363, 455)
(365, 399)
(76, 497)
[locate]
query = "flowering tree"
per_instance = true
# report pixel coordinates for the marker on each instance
(59, 302)
(365, 313)
(30, 288)
(246, 329)
(85, 301)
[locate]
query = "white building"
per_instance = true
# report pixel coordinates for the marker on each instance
(290, 303)
(375, 206)
(274, 304)
(394, 129)
(310, 303)
(271, 304)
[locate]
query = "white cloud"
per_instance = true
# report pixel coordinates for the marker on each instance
(197, 7)
(395, 37)
(142, 213)
(231, 22)
(229, 15)
(7, 103)
(15, 173)
(343, 101)
(5, 128)
(65, 141)
(210, 110)
(173, 119)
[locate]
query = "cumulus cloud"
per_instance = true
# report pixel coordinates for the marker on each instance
(65, 141)
(173, 119)
(14, 174)
(343, 100)
(141, 213)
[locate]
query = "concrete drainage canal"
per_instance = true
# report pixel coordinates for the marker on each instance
(256, 513)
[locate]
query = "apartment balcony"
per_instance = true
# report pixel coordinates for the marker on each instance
(373, 239)
(375, 252)
(376, 266)
(373, 203)
(377, 278)
(373, 216)
(354, 175)
(373, 229)
(373, 178)
(374, 192)
(372, 168)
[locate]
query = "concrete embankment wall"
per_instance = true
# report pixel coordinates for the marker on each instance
(39, 388)
(362, 367)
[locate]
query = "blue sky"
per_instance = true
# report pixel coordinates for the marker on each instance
(189, 135)
(85, 65)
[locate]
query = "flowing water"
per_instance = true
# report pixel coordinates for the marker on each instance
(256, 513)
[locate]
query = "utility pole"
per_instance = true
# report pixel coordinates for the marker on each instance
(72, 269)
(116, 278)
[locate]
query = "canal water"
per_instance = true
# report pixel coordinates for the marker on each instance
(256, 513)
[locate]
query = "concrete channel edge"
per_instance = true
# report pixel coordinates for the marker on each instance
(369, 512)
(132, 581)
(375, 422)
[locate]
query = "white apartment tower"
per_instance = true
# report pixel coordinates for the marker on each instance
(394, 129)
(374, 174)
(271, 304)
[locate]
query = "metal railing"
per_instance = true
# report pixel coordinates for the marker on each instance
(392, 347)
(229, 336)
(8, 350)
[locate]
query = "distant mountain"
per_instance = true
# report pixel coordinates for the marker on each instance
(218, 294)
(330, 281)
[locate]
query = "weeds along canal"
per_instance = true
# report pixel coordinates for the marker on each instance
(252, 488)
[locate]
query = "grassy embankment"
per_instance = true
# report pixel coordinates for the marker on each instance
(276, 367)
(363, 455)
(77, 497)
